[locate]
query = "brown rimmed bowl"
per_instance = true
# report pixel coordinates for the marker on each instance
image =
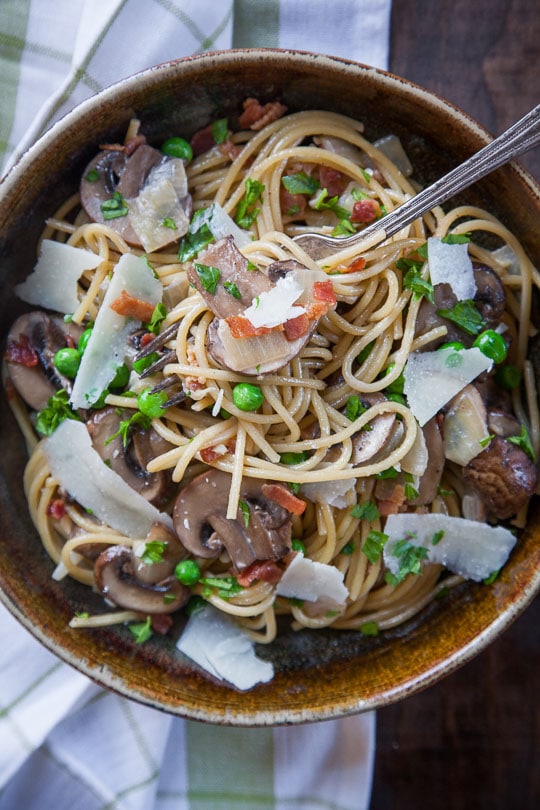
(319, 674)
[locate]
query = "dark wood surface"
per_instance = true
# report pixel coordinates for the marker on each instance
(472, 741)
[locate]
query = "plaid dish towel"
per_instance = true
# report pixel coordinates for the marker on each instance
(65, 742)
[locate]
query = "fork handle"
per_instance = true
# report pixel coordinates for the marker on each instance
(517, 139)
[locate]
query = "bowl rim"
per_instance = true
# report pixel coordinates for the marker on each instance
(104, 676)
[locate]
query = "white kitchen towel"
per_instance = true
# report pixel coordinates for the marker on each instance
(65, 743)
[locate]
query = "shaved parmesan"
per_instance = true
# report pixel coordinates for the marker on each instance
(451, 264)
(334, 493)
(275, 306)
(471, 549)
(221, 225)
(106, 349)
(433, 378)
(217, 644)
(81, 471)
(53, 282)
(312, 581)
(163, 198)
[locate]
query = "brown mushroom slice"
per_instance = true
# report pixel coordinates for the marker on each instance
(490, 297)
(154, 187)
(114, 577)
(234, 272)
(429, 481)
(504, 477)
(150, 573)
(130, 461)
(32, 343)
(261, 532)
(369, 441)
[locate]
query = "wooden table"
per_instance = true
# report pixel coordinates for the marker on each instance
(471, 741)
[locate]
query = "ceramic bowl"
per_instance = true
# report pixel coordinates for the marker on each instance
(320, 674)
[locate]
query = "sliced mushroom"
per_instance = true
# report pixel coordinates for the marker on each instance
(369, 441)
(261, 532)
(430, 479)
(256, 353)
(154, 188)
(465, 426)
(115, 580)
(31, 346)
(150, 573)
(130, 460)
(504, 477)
(490, 297)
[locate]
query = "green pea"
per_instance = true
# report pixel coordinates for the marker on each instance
(298, 545)
(492, 344)
(187, 572)
(177, 147)
(83, 340)
(508, 377)
(67, 361)
(247, 397)
(121, 378)
(152, 404)
(453, 344)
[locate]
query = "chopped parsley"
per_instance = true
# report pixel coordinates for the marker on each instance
(154, 551)
(294, 458)
(524, 441)
(349, 548)
(437, 537)
(244, 508)
(209, 276)
(158, 316)
(145, 362)
(193, 243)
(465, 315)
(115, 207)
(170, 223)
(369, 629)
(92, 176)
(354, 408)
(391, 472)
(410, 490)
(374, 545)
(456, 238)
(410, 560)
(220, 130)
(419, 286)
(246, 212)
(300, 183)
(321, 203)
(224, 586)
(142, 631)
(123, 431)
(54, 413)
(365, 511)
(232, 289)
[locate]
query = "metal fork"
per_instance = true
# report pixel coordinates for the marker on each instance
(517, 139)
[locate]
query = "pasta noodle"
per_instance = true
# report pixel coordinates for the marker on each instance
(346, 382)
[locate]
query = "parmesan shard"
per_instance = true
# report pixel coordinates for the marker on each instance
(220, 225)
(275, 306)
(433, 378)
(451, 264)
(81, 471)
(216, 643)
(467, 547)
(312, 581)
(106, 348)
(53, 282)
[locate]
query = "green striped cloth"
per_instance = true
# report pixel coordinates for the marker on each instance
(66, 744)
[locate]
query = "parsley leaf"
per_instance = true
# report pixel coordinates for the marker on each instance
(374, 545)
(141, 630)
(321, 203)
(158, 316)
(225, 586)
(193, 243)
(208, 275)
(54, 413)
(419, 286)
(125, 426)
(365, 511)
(465, 315)
(232, 289)
(410, 560)
(369, 629)
(220, 130)
(153, 551)
(246, 213)
(244, 508)
(115, 207)
(354, 408)
(524, 441)
(300, 183)
(456, 238)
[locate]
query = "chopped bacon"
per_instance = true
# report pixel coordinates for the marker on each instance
(292, 204)
(392, 504)
(242, 327)
(324, 291)
(332, 180)
(132, 307)
(211, 454)
(202, 140)
(21, 351)
(56, 509)
(365, 211)
(146, 338)
(284, 497)
(161, 623)
(133, 144)
(317, 309)
(265, 570)
(256, 116)
(229, 149)
(296, 327)
(355, 266)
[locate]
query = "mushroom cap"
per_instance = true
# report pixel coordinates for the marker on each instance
(45, 334)
(201, 524)
(114, 576)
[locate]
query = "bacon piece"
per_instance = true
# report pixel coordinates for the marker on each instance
(324, 291)
(21, 351)
(146, 338)
(283, 496)
(355, 266)
(296, 327)
(256, 116)
(267, 571)
(133, 144)
(332, 180)
(56, 509)
(242, 327)
(132, 307)
(161, 623)
(393, 503)
(365, 211)
(229, 149)
(202, 140)
(292, 204)
(211, 454)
